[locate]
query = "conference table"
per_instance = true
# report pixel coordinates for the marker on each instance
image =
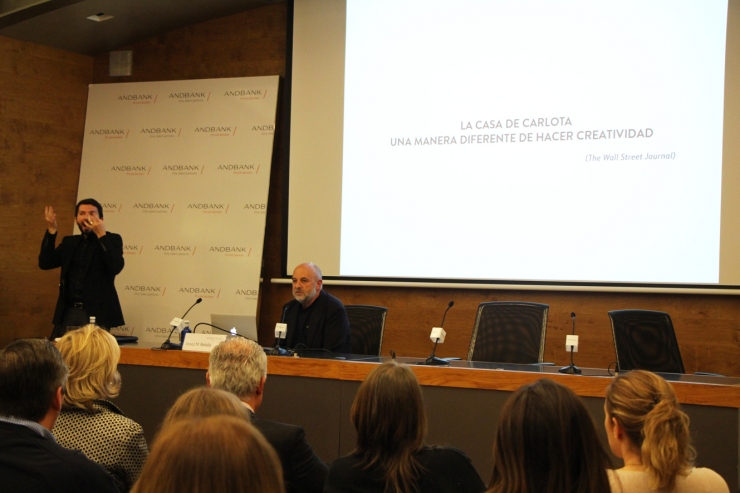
(463, 400)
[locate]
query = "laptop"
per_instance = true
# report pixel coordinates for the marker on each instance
(245, 325)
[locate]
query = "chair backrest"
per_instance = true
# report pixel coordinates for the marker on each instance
(509, 332)
(645, 340)
(366, 324)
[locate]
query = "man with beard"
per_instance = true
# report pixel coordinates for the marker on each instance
(316, 319)
(90, 262)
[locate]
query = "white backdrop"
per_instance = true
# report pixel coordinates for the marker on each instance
(182, 169)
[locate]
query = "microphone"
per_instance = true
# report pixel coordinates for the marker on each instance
(281, 331)
(572, 342)
(175, 324)
(233, 331)
(438, 335)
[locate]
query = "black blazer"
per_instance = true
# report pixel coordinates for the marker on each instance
(446, 470)
(32, 463)
(99, 293)
(303, 471)
(328, 325)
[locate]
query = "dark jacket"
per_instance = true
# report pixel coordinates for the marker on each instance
(99, 292)
(32, 463)
(303, 471)
(327, 325)
(446, 470)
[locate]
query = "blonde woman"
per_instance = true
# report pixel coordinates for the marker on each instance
(647, 428)
(217, 453)
(88, 421)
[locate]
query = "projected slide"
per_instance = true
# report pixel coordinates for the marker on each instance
(533, 140)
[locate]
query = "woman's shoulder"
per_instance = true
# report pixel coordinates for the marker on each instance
(703, 479)
(104, 415)
(442, 454)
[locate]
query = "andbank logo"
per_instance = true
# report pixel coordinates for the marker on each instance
(246, 292)
(178, 250)
(109, 133)
(231, 250)
(133, 249)
(123, 330)
(239, 169)
(160, 132)
(111, 207)
(246, 94)
(256, 207)
(190, 97)
(150, 207)
(184, 169)
(205, 292)
(209, 208)
(145, 290)
(131, 170)
(216, 130)
(138, 98)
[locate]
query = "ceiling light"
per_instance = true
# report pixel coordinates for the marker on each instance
(100, 17)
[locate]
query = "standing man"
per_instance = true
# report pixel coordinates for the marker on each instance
(316, 319)
(239, 366)
(90, 262)
(32, 378)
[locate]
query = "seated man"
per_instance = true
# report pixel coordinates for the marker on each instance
(239, 366)
(32, 377)
(316, 319)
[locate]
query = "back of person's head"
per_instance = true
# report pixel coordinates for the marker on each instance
(546, 441)
(92, 355)
(388, 414)
(237, 365)
(217, 453)
(646, 407)
(202, 402)
(31, 372)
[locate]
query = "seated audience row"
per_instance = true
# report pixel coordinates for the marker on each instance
(211, 439)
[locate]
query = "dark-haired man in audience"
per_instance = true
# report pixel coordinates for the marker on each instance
(32, 377)
(239, 366)
(316, 319)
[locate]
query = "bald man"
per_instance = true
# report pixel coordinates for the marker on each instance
(316, 319)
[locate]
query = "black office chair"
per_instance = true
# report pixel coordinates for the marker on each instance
(509, 332)
(645, 340)
(366, 324)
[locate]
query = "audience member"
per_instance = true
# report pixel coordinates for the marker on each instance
(546, 442)
(202, 402)
(32, 378)
(217, 453)
(647, 429)
(391, 456)
(90, 423)
(239, 366)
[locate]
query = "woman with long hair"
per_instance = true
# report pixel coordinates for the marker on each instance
(546, 442)
(391, 455)
(217, 453)
(646, 428)
(89, 421)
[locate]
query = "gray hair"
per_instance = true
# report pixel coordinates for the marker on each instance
(237, 366)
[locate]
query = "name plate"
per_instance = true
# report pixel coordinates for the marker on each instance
(202, 343)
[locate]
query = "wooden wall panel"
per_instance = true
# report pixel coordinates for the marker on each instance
(42, 117)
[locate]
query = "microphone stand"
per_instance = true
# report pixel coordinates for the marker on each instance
(571, 369)
(432, 360)
(277, 350)
(173, 345)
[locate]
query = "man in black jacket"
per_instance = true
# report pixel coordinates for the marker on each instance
(316, 319)
(90, 262)
(239, 366)
(32, 377)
